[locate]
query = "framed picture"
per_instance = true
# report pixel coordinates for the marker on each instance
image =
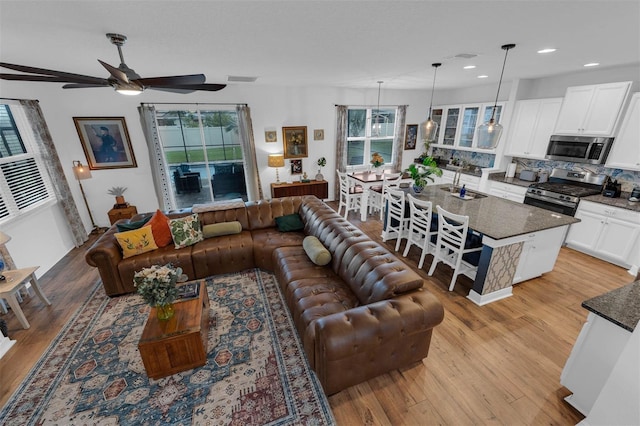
(318, 135)
(105, 141)
(271, 136)
(295, 141)
(296, 167)
(411, 136)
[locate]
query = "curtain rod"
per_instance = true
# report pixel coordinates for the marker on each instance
(15, 99)
(189, 103)
(369, 106)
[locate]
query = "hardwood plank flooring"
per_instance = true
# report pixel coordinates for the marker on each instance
(495, 364)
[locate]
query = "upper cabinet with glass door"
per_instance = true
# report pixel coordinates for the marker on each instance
(461, 121)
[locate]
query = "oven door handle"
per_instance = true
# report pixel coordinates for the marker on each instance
(551, 200)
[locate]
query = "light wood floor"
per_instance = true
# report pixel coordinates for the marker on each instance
(496, 364)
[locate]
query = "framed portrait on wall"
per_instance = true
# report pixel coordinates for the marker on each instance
(105, 141)
(411, 136)
(295, 142)
(296, 167)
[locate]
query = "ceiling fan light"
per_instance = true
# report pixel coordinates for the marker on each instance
(129, 92)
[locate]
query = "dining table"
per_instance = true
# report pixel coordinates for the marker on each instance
(367, 180)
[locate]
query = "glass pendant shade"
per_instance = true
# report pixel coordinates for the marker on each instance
(489, 132)
(428, 130)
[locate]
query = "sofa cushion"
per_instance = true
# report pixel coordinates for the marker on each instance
(268, 239)
(131, 226)
(290, 222)
(160, 227)
(185, 231)
(219, 229)
(223, 254)
(317, 253)
(136, 242)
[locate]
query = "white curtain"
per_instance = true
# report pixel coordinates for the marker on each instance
(245, 129)
(341, 141)
(398, 144)
(161, 182)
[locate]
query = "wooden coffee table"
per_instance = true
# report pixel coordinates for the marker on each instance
(178, 344)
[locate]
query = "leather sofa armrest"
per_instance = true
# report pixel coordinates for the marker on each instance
(105, 254)
(364, 342)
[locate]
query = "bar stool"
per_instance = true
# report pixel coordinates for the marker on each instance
(396, 224)
(420, 232)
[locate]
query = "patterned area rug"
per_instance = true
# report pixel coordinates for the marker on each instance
(256, 372)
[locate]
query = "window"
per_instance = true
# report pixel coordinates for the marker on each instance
(24, 182)
(370, 130)
(203, 154)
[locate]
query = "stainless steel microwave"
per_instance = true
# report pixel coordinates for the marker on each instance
(579, 149)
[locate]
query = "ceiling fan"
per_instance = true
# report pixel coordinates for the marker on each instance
(123, 79)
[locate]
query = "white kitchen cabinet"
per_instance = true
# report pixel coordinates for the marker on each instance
(625, 153)
(450, 124)
(606, 232)
(533, 124)
(592, 110)
(507, 191)
(539, 254)
(459, 123)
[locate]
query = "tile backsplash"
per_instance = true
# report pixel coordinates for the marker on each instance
(479, 159)
(628, 178)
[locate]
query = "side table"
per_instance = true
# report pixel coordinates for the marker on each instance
(122, 213)
(16, 279)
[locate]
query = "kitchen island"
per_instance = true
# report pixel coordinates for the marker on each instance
(519, 241)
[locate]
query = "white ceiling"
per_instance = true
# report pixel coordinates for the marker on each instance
(350, 44)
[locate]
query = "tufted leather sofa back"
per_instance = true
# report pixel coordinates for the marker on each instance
(231, 215)
(372, 272)
(262, 213)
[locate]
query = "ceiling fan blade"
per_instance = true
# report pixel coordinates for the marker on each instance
(172, 80)
(46, 78)
(115, 72)
(84, 85)
(67, 76)
(189, 87)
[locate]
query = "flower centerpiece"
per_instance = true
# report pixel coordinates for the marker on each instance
(421, 172)
(321, 163)
(157, 286)
(377, 161)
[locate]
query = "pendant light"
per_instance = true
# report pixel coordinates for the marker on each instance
(489, 132)
(377, 119)
(430, 127)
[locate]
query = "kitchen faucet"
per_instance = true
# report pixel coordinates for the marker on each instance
(456, 179)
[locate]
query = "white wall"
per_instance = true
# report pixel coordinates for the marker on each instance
(271, 108)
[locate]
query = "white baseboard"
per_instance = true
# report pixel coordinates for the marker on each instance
(483, 299)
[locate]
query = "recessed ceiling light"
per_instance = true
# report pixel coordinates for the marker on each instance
(469, 67)
(483, 76)
(592, 64)
(548, 50)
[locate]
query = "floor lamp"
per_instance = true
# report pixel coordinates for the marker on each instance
(81, 173)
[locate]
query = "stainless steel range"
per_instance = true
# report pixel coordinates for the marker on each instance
(563, 190)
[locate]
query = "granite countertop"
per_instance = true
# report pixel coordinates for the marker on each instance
(501, 177)
(620, 306)
(496, 217)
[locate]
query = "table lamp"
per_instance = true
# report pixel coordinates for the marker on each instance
(276, 161)
(81, 173)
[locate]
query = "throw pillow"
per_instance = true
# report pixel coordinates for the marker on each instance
(316, 251)
(223, 228)
(130, 226)
(290, 222)
(160, 227)
(136, 242)
(185, 231)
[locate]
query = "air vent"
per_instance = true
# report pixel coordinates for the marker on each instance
(465, 55)
(241, 79)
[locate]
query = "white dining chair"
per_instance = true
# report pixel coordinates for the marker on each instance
(376, 193)
(451, 244)
(350, 196)
(419, 233)
(396, 224)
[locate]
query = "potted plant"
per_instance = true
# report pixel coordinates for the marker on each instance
(117, 192)
(421, 172)
(157, 286)
(321, 163)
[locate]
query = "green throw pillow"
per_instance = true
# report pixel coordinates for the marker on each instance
(185, 231)
(290, 222)
(131, 226)
(316, 251)
(223, 228)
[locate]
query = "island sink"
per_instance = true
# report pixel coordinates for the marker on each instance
(470, 193)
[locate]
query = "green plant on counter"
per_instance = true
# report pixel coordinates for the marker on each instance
(420, 173)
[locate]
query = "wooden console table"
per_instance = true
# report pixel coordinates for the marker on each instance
(319, 188)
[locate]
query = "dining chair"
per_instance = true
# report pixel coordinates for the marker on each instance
(453, 245)
(420, 227)
(376, 193)
(396, 224)
(350, 196)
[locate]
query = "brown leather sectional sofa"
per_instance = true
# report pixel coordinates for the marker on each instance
(363, 314)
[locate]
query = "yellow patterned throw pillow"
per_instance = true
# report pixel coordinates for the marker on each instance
(136, 242)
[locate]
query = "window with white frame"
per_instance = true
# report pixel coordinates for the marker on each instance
(370, 130)
(24, 182)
